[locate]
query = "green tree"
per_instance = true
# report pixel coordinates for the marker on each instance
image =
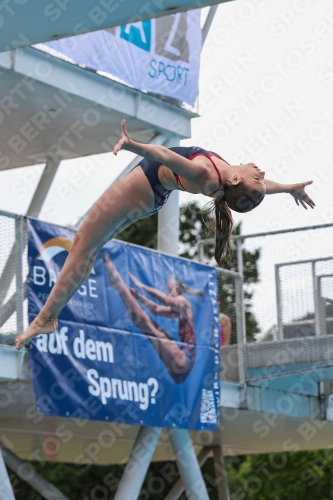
(94, 482)
(274, 476)
(142, 232)
(287, 476)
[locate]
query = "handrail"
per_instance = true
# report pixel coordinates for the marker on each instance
(269, 233)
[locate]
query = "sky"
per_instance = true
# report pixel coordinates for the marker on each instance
(265, 96)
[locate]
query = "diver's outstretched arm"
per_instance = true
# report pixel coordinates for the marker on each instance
(156, 309)
(155, 293)
(297, 191)
(172, 356)
(191, 170)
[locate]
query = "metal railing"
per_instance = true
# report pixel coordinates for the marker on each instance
(319, 310)
(278, 301)
(236, 313)
(12, 289)
(14, 270)
(290, 302)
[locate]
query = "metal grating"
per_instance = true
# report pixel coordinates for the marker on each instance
(7, 273)
(227, 298)
(297, 284)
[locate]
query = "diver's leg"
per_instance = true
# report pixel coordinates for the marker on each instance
(126, 201)
(166, 347)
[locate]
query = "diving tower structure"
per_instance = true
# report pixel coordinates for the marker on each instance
(62, 18)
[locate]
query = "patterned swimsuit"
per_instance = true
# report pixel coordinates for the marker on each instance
(188, 346)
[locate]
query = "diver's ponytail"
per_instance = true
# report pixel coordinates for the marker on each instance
(224, 225)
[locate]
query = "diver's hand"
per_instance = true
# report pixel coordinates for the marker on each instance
(124, 140)
(300, 196)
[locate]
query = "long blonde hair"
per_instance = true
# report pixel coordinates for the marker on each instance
(184, 288)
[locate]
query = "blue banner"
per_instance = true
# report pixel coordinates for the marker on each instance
(156, 55)
(138, 343)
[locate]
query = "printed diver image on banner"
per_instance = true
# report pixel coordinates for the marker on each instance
(156, 55)
(145, 352)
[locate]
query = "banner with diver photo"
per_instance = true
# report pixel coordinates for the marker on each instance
(158, 55)
(138, 343)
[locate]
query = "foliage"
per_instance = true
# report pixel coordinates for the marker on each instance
(287, 476)
(81, 483)
(97, 482)
(274, 476)
(142, 232)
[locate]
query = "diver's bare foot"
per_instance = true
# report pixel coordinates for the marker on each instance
(113, 275)
(38, 326)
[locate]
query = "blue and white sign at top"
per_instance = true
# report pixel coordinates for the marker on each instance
(157, 55)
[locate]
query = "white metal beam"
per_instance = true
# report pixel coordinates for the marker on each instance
(50, 21)
(82, 109)
(138, 463)
(6, 490)
(208, 23)
(167, 241)
(168, 225)
(20, 228)
(188, 465)
(49, 172)
(179, 487)
(168, 218)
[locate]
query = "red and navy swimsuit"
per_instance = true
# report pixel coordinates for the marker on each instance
(150, 169)
(187, 344)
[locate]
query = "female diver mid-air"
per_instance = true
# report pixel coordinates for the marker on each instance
(178, 357)
(143, 192)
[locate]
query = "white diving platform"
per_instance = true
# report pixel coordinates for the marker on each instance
(50, 108)
(269, 419)
(50, 21)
